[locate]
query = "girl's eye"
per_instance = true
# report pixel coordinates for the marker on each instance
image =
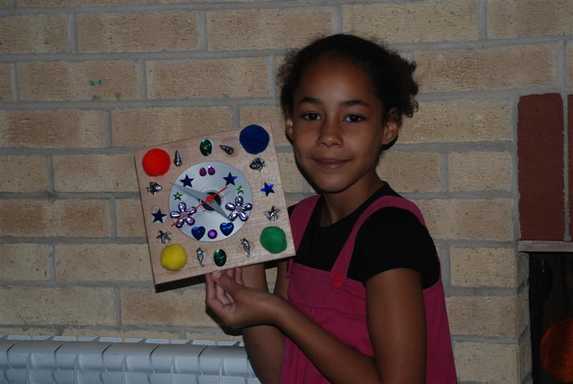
(310, 116)
(353, 118)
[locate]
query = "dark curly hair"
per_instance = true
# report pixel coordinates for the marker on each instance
(391, 75)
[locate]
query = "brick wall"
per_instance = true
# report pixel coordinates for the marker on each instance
(85, 82)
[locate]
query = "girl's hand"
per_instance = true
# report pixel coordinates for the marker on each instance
(236, 305)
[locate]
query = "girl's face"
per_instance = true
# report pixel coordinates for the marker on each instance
(337, 127)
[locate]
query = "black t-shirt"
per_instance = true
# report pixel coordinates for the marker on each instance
(390, 238)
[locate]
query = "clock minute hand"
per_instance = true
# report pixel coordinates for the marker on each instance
(205, 198)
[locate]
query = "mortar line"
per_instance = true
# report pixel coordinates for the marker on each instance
(337, 22)
(202, 30)
(142, 82)
(14, 80)
(236, 117)
(72, 41)
(270, 62)
(483, 20)
(405, 48)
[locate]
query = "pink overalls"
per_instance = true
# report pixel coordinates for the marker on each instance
(338, 304)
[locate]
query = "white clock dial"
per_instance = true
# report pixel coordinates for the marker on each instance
(210, 201)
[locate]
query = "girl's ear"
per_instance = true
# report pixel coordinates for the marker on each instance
(391, 131)
(289, 128)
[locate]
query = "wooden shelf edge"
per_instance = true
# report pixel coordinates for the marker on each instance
(540, 246)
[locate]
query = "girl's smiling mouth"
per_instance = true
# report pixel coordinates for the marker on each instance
(330, 162)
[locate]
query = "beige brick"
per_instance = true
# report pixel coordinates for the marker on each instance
(267, 28)
(487, 363)
(242, 77)
(102, 262)
(525, 18)
(474, 219)
(488, 68)
(129, 218)
(137, 32)
(414, 22)
(134, 127)
(123, 333)
(86, 80)
(411, 171)
(23, 173)
(76, 3)
(525, 356)
(480, 171)
(95, 173)
(270, 115)
(484, 315)
(459, 121)
(33, 34)
(41, 218)
(24, 262)
(291, 178)
(183, 307)
(6, 82)
(484, 267)
(73, 306)
(53, 129)
(28, 331)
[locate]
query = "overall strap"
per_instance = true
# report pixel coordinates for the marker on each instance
(299, 220)
(340, 268)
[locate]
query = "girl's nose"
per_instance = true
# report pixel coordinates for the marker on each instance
(330, 133)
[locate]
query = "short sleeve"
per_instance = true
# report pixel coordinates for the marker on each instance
(394, 238)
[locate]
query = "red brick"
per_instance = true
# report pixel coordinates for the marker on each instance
(570, 160)
(540, 167)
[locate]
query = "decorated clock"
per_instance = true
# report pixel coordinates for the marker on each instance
(212, 203)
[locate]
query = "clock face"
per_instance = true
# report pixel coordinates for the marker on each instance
(210, 201)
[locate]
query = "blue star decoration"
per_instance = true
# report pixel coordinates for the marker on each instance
(230, 179)
(267, 188)
(177, 195)
(158, 216)
(186, 181)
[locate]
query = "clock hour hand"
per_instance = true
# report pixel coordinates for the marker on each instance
(204, 198)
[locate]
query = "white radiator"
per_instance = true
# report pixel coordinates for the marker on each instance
(78, 360)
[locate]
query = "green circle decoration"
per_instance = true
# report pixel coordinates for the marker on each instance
(273, 239)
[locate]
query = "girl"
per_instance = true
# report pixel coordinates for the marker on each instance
(362, 300)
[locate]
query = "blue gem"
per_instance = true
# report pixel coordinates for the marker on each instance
(254, 139)
(186, 181)
(227, 228)
(198, 232)
(267, 188)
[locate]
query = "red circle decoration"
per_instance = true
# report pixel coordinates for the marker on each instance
(156, 162)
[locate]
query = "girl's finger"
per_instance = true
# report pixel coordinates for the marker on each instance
(239, 276)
